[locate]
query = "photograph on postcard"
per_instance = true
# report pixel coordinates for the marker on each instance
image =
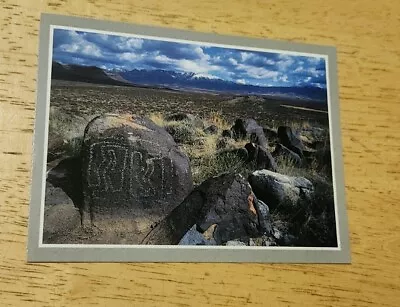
(161, 141)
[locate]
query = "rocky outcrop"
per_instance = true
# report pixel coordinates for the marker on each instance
(194, 237)
(290, 140)
(261, 157)
(60, 215)
(283, 151)
(249, 129)
(227, 133)
(212, 129)
(67, 176)
(194, 120)
(225, 203)
(280, 190)
(130, 165)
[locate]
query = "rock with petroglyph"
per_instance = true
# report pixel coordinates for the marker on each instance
(132, 166)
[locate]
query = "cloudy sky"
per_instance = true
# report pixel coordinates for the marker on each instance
(240, 66)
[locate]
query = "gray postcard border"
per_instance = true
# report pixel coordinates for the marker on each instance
(135, 253)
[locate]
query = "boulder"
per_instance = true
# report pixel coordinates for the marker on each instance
(283, 151)
(290, 140)
(55, 196)
(213, 129)
(261, 156)
(131, 166)
(227, 133)
(225, 203)
(59, 220)
(180, 117)
(280, 190)
(197, 122)
(259, 139)
(193, 237)
(270, 133)
(182, 132)
(264, 217)
(244, 128)
(67, 176)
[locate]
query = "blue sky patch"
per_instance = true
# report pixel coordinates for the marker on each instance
(114, 52)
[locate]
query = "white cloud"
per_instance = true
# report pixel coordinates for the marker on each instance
(80, 45)
(284, 78)
(92, 50)
(164, 59)
(199, 51)
(232, 61)
(245, 56)
(241, 81)
(314, 72)
(299, 69)
(284, 63)
(313, 60)
(128, 56)
(307, 79)
(269, 62)
(258, 72)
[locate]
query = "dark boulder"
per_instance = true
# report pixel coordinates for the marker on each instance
(283, 151)
(131, 166)
(194, 237)
(227, 133)
(180, 117)
(59, 220)
(213, 129)
(270, 133)
(264, 217)
(290, 140)
(259, 139)
(60, 214)
(280, 190)
(261, 157)
(244, 128)
(194, 120)
(225, 203)
(182, 132)
(67, 175)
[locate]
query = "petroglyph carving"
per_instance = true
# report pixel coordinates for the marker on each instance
(113, 166)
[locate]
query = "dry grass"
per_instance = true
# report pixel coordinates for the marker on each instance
(201, 148)
(216, 118)
(157, 118)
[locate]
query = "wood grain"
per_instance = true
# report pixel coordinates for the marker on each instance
(368, 40)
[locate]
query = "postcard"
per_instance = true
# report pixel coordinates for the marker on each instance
(161, 145)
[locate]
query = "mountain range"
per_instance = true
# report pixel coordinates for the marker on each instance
(179, 81)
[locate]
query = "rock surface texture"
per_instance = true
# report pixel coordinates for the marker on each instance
(279, 190)
(225, 203)
(129, 164)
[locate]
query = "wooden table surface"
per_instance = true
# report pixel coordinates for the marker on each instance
(366, 33)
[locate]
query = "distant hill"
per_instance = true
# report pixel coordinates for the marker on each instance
(180, 81)
(91, 74)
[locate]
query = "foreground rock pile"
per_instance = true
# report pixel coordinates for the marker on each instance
(130, 169)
